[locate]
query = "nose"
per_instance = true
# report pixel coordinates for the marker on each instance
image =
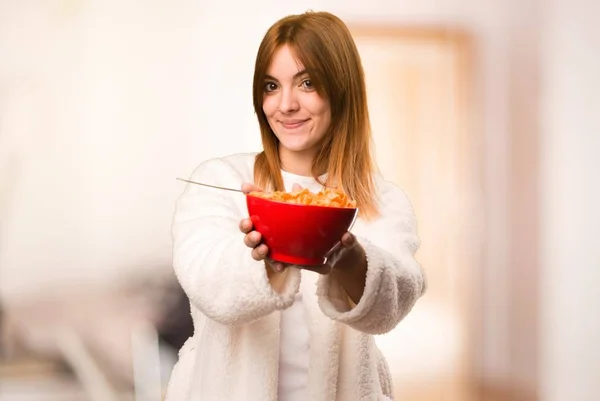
(287, 101)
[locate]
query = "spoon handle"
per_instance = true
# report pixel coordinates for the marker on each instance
(211, 186)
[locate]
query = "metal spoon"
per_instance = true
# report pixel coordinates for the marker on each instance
(211, 186)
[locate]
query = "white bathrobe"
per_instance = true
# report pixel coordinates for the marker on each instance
(234, 352)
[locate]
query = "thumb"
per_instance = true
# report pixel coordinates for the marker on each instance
(296, 187)
(248, 187)
(348, 240)
(346, 244)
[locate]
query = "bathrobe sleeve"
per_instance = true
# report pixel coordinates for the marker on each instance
(395, 280)
(211, 262)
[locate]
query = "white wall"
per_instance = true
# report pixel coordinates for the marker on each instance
(570, 252)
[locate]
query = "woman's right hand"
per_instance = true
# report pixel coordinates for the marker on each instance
(253, 239)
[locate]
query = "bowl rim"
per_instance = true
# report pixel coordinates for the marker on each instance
(301, 205)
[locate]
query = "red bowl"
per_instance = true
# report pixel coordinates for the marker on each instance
(299, 234)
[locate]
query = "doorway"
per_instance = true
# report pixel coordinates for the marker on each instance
(420, 94)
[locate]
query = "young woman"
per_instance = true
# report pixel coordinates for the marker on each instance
(266, 331)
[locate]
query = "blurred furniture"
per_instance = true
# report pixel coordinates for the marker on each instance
(101, 342)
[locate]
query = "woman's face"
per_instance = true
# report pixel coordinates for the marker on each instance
(297, 114)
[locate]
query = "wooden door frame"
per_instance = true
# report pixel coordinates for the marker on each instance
(465, 47)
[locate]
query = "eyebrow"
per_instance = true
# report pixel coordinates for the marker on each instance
(296, 75)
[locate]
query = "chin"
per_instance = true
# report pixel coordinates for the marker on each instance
(297, 147)
(296, 144)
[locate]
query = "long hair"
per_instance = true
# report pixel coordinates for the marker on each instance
(326, 49)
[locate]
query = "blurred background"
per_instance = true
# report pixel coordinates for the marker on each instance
(486, 113)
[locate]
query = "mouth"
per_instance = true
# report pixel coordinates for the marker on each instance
(292, 124)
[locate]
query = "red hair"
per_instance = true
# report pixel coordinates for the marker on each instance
(326, 49)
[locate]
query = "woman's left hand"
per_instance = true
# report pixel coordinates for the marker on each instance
(348, 265)
(346, 254)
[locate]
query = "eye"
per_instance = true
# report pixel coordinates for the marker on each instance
(307, 84)
(270, 86)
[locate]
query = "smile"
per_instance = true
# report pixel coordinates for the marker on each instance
(292, 124)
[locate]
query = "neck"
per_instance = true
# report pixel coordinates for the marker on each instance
(299, 163)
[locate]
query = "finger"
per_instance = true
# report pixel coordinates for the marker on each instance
(248, 187)
(260, 252)
(246, 226)
(252, 239)
(296, 187)
(278, 266)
